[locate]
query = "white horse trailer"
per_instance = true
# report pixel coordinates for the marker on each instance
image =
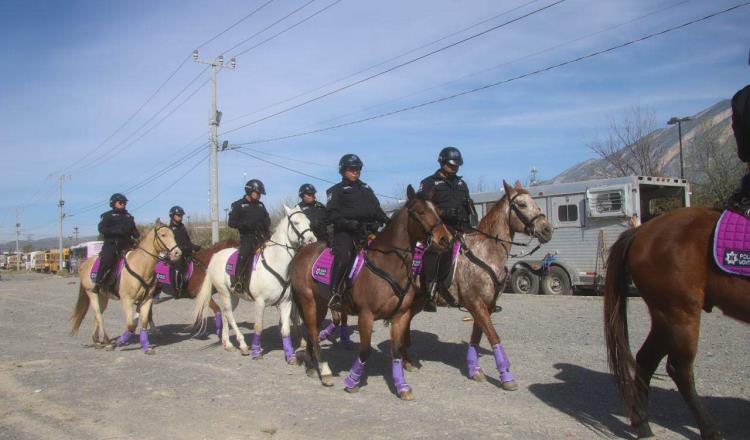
(588, 217)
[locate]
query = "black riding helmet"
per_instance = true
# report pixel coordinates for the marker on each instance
(117, 197)
(349, 161)
(254, 185)
(450, 155)
(307, 188)
(176, 210)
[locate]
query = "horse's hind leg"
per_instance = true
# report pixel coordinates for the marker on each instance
(98, 335)
(285, 314)
(682, 350)
(648, 359)
(482, 318)
(352, 380)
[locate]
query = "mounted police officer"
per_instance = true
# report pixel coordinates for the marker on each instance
(119, 231)
(314, 210)
(355, 212)
(740, 200)
(181, 237)
(249, 216)
(450, 194)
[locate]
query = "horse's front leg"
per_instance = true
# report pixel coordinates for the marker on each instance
(127, 309)
(472, 356)
(145, 312)
(399, 325)
(353, 379)
(482, 318)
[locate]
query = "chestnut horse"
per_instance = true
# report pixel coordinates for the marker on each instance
(670, 262)
(384, 289)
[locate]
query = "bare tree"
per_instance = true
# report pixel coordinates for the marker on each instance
(712, 165)
(629, 147)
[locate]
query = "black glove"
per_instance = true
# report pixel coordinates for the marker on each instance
(196, 247)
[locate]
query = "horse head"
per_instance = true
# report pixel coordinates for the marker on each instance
(164, 241)
(425, 223)
(525, 216)
(298, 227)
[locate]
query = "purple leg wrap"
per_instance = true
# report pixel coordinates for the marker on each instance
(124, 339)
(472, 360)
(288, 349)
(144, 340)
(218, 325)
(397, 367)
(355, 374)
(256, 352)
(502, 362)
(346, 332)
(327, 332)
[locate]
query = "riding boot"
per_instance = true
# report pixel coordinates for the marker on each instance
(178, 284)
(430, 270)
(337, 273)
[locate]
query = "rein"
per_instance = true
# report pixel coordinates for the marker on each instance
(147, 286)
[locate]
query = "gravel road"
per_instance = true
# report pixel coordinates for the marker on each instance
(54, 386)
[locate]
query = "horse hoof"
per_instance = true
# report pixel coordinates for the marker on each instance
(408, 366)
(480, 377)
(311, 372)
(406, 394)
(292, 361)
(150, 351)
(97, 346)
(245, 351)
(230, 348)
(257, 357)
(327, 380)
(509, 385)
(352, 390)
(109, 347)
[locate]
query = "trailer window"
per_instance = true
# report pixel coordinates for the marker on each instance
(608, 202)
(567, 213)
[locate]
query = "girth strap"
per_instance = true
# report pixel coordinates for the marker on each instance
(284, 284)
(398, 290)
(146, 286)
(497, 284)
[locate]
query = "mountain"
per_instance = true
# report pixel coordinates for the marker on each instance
(43, 243)
(666, 145)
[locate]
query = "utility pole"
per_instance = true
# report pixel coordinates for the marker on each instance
(213, 123)
(61, 204)
(75, 230)
(18, 253)
(679, 121)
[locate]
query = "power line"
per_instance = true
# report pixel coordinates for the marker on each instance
(498, 83)
(234, 24)
(393, 58)
(172, 184)
(398, 66)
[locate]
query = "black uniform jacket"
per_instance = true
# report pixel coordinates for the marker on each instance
(316, 213)
(183, 239)
(353, 201)
(741, 122)
(118, 224)
(450, 194)
(250, 218)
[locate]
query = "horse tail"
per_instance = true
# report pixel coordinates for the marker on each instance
(201, 301)
(79, 311)
(620, 358)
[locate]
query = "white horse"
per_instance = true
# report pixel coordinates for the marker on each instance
(269, 284)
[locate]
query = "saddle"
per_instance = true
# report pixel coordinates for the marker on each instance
(166, 276)
(110, 283)
(731, 248)
(231, 266)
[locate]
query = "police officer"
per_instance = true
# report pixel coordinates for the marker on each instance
(355, 213)
(249, 216)
(450, 194)
(314, 210)
(740, 200)
(181, 237)
(119, 231)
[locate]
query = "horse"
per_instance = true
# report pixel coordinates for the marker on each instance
(136, 286)
(480, 274)
(384, 289)
(268, 285)
(669, 259)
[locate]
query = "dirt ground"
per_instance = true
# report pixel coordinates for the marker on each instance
(54, 386)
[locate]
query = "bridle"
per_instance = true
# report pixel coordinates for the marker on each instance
(528, 223)
(158, 239)
(429, 233)
(300, 235)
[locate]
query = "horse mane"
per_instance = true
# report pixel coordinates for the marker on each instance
(491, 221)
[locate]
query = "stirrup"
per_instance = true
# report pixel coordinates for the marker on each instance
(335, 302)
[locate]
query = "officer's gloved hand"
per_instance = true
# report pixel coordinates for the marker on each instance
(196, 247)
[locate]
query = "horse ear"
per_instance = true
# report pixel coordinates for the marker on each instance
(517, 185)
(158, 221)
(287, 210)
(410, 192)
(508, 189)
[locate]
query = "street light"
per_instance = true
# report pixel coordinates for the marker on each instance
(675, 120)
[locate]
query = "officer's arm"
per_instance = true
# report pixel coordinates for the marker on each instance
(234, 221)
(104, 225)
(333, 212)
(425, 189)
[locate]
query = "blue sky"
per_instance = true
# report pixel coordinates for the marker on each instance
(74, 71)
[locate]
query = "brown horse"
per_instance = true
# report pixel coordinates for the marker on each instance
(384, 289)
(670, 262)
(480, 274)
(136, 287)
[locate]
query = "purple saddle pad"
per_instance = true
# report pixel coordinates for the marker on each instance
(95, 268)
(732, 243)
(163, 274)
(321, 269)
(231, 266)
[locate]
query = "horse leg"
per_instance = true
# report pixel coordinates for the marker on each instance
(398, 327)
(331, 328)
(97, 332)
(285, 312)
(648, 358)
(326, 376)
(217, 317)
(225, 302)
(346, 333)
(482, 318)
(352, 380)
(409, 365)
(127, 309)
(472, 356)
(257, 350)
(682, 351)
(145, 312)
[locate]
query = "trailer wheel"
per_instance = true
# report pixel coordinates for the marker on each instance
(524, 281)
(556, 282)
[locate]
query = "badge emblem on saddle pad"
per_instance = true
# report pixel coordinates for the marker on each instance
(731, 248)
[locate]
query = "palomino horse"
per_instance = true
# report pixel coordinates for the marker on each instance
(480, 273)
(269, 283)
(136, 286)
(670, 262)
(384, 288)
